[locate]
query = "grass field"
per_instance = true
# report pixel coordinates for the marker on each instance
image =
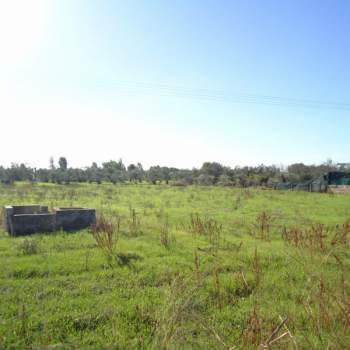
(184, 268)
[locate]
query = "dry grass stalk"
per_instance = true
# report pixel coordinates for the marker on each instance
(105, 232)
(253, 329)
(218, 290)
(264, 223)
(314, 238)
(217, 337)
(274, 337)
(246, 285)
(247, 194)
(342, 234)
(179, 316)
(328, 308)
(134, 223)
(257, 268)
(206, 227)
(196, 262)
(165, 239)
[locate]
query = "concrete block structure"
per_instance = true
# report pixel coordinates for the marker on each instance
(69, 219)
(27, 219)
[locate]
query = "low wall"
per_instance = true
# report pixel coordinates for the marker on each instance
(342, 189)
(27, 219)
(24, 224)
(74, 218)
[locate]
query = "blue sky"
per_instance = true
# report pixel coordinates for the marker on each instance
(166, 82)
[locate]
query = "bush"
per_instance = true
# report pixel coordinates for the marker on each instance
(205, 180)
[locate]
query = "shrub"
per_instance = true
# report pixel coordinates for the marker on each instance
(205, 180)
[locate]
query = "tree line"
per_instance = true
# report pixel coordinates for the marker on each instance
(211, 173)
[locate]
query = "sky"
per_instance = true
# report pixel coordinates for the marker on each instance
(174, 83)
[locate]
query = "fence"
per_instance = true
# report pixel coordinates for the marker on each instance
(318, 185)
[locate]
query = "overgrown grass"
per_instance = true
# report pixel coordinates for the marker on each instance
(179, 268)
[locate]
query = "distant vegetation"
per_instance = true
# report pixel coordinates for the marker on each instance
(211, 173)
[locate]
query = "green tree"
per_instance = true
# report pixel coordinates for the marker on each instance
(63, 164)
(212, 169)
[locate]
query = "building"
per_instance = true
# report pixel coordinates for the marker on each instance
(338, 178)
(338, 181)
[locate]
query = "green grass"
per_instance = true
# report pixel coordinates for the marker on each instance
(58, 291)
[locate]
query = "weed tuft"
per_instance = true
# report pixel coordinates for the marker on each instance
(106, 234)
(206, 227)
(252, 334)
(126, 259)
(29, 247)
(264, 222)
(165, 236)
(178, 321)
(134, 223)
